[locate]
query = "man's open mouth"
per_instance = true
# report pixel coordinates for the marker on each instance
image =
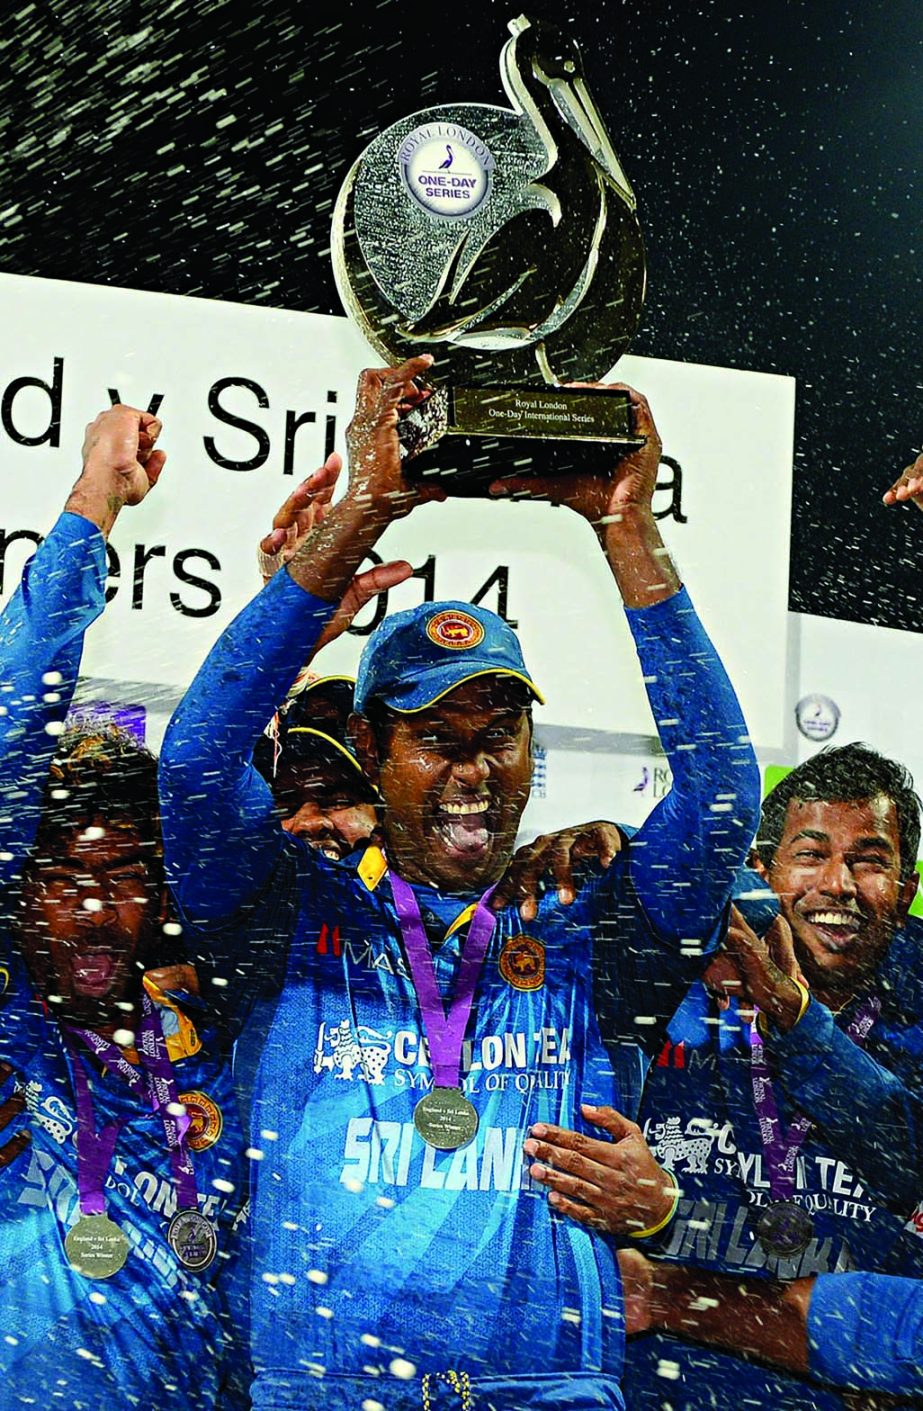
(836, 927)
(464, 825)
(92, 973)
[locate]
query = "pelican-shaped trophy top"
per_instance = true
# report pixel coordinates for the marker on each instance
(438, 203)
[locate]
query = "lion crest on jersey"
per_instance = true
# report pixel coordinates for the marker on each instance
(344, 1054)
(522, 963)
(52, 1114)
(671, 1145)
(205, 1119)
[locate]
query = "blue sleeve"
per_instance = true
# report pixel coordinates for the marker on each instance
(817, 1066)
(866, 1331)
(41, 636)
(683, 861)
(221, 838)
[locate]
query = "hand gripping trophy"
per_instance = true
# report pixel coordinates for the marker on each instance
(505, 243)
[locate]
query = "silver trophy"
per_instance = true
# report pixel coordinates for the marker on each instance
(506, 243)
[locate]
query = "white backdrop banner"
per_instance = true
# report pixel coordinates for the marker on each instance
(252, 398)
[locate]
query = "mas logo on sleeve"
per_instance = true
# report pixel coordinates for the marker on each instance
(522, 963)
(455, 630)
(205, 1120)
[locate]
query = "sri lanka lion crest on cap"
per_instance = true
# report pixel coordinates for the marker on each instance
(455, 629)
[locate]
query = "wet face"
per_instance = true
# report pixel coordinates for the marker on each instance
(327, 809)
(90, 911)
(455, 781)
(836, 871)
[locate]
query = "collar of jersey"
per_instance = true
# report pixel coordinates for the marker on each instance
(373, 866)
(184, 1043)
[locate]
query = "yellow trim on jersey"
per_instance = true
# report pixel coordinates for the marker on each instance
(185, 1042)
(462, 919)
(372, 867)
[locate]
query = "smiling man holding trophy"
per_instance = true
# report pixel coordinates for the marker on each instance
(402, 1255)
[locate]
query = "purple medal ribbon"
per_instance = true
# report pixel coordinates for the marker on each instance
(152, 1049)
(443, 1026)
(94, 1149)
(157, 1083)
(781, 1150)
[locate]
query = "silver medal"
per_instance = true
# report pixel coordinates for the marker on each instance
(445, 1119)
(95, 1247)
(193, 1240)
(784, 1228)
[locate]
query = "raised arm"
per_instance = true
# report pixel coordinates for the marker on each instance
(221, 838)
(684, 859)
(42, 626)
(908, 487)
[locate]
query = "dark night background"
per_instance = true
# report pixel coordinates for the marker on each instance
(197, 148)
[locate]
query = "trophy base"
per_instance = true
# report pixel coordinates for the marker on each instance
(463, 438)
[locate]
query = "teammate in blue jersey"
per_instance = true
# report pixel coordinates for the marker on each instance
(860, 1332)
(810, 1162)
(318, 785)
(110, 1249)
(402, 1258)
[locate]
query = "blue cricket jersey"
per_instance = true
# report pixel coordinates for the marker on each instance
(378, 1259)
(866, 1331)
(868, 1101)
(859, 1173)
(152, 1333)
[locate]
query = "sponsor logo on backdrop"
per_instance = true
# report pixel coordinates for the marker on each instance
(817, 717)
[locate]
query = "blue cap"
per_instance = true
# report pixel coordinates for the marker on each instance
(416, 657)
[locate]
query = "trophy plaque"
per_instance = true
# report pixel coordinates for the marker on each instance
(504, 242)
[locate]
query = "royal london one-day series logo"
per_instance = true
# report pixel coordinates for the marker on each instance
(446, 169)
